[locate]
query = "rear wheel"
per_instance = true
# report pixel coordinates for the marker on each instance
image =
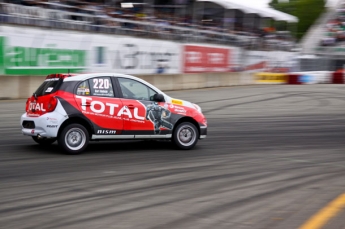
(73, 139)
(185, 136)
(44, 141)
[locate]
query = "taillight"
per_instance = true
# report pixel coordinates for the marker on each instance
(52, 104)
(27, 105)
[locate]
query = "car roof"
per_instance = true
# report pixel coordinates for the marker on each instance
(82, 77)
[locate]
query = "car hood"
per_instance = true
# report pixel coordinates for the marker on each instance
(184, 103)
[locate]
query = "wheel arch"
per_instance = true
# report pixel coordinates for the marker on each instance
(187, 119)
(77, 120)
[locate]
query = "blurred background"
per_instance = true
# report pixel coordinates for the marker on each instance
(274, 154)
(145, 37)
(308, 32)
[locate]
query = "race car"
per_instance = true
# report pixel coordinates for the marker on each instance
(76, 109)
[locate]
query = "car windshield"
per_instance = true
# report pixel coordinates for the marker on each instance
(48, 86)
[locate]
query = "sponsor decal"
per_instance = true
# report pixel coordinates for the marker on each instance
(106, 132)
(180, 110)
(266, 77)
(52, 79)
(36, 107)
(101, 87)
(159, 116)
(177, 102)
(49, 89)
(52, 120)
(110, 110)
(52, 126)
(33, 115)
(81, 90)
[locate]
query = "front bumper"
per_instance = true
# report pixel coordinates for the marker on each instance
(203, 132)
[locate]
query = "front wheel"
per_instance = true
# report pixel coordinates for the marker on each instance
(74, 139)
(185, 136)
(44, 141)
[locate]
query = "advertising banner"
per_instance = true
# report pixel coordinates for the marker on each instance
(134, 56)
(269, 61)
(271, 78)
(280, 61)
(199, 59)
(255, 61)
(34, 51)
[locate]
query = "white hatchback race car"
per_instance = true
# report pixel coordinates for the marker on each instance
(76, 109)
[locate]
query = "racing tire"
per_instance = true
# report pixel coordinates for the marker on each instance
(44, 141)
(185, 136)
(73, 139)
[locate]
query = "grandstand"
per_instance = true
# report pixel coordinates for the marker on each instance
(229, 22)
(323, 45)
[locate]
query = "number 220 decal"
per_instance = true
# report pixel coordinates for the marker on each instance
(100, 83)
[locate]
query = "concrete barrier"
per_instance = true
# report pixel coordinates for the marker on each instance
(17, 87)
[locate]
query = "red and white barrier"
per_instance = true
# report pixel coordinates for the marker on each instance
(316, 77)
(338, 77)
(298, 78)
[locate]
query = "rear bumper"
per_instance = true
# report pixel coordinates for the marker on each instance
(46, 125)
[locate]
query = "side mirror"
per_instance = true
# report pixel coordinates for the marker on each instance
(158, 98)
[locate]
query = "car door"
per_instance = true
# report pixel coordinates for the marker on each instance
(98, 102)
(141, 115)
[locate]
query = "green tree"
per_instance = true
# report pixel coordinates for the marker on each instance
(307, 12)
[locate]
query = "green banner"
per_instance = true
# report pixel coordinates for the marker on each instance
(17, 60)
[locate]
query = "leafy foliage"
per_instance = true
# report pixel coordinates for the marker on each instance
(307, 11)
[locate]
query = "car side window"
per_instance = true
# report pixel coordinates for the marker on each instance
(132, 89)
(101, 86)
(83, 88)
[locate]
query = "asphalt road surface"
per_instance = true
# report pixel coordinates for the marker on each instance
(274, 156)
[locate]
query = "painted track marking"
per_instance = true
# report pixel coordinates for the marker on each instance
(324, 215)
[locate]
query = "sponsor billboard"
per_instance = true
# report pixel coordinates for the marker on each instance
(255, 61)
(38, 54)
(33, 51)
(199, 59)
(271, 78)
(135, 56)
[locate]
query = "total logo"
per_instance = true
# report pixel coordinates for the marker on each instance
(36, 106)
(109, 108)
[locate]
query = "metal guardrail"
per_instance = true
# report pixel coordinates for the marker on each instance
(57, 19)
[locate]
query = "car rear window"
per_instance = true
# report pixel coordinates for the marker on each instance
(49, 86)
